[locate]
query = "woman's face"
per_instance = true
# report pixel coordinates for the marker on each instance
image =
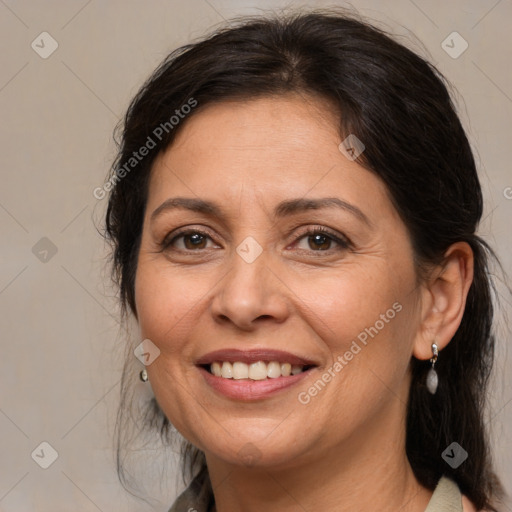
(261, 236)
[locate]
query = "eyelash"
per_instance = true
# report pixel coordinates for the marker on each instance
(169, 240)
(342, 242)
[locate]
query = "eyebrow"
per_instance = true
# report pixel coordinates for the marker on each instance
(283, 209)
(293, 206)
(186, 203)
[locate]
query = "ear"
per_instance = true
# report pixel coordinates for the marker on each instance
(444, 300)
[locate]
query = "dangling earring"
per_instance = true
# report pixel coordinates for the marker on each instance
(432, 379)
(143, 375)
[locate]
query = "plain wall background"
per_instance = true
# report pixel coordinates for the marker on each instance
(61, 355)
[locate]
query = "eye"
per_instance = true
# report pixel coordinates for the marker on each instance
(190, 240)
(320, 239)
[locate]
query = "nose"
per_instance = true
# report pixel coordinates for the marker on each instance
(249, 295)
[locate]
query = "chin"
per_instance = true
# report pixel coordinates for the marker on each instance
(246, 451)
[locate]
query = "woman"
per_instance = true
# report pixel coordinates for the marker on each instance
(293, 215)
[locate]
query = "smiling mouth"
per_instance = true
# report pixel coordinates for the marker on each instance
(259, 370)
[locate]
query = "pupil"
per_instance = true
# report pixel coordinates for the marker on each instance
(320, 241)
(195, 239)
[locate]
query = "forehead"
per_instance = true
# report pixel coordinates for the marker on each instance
(269, 148)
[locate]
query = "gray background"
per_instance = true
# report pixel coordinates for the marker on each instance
(61, 345)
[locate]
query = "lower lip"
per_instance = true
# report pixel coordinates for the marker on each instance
(248, 390)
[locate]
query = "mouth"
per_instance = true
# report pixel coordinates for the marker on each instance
(260, 370)
(253, 375)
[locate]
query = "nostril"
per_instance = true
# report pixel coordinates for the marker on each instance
(264, 317)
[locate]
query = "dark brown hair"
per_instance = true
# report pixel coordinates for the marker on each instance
(399, 106)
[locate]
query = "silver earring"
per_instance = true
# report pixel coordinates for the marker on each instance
(143, 375)
(432, 379)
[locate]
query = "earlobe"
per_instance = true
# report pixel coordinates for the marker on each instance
(446, 291)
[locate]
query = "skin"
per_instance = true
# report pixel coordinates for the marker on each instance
(345, 449)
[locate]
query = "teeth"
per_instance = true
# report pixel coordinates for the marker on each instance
(273, 370)
(227, 370)
(216, 369)
(240, 371)
(296, 369)
(255, 371)
(258, 371)
(286, 369)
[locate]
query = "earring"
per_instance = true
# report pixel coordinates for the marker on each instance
(432, 379)
(143, 375)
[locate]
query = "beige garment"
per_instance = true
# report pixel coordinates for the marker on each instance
(446, 497)
(198, 497)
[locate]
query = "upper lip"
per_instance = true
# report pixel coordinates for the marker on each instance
(233, 355)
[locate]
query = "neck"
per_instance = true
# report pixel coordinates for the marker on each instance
(368, 471)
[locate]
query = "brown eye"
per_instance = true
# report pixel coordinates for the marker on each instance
(319, 242)
(189, 241)
(194, 241)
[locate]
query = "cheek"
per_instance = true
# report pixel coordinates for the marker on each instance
(167, 302)
(365, 317)
(168, 307)
(366, 322)
(343, 304)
